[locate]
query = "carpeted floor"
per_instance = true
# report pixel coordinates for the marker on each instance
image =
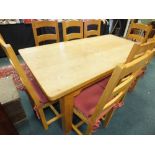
(136, 117)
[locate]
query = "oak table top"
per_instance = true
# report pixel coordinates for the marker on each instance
(64, 67)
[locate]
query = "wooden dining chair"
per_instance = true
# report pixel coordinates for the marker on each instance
(150, 39)
(67, 24)
(139, 50)
(138, 32)
(39, 98)
(40, 38)
(99, 102)
(2, 39)
(94, 32)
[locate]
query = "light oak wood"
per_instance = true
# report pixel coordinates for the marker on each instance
(137, 51)
(108, 117)
(87, 23)
(152, 38)
(140, 49)
(45, 37)
(115, 91)
(138, 32)
(37, 104)
(2, 39)
(76, 130)
(72, 65)
(72, 23)
(66, 104)
(79, 124)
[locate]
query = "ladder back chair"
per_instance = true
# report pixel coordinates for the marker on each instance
(138, 32)
(98, 102)
(140, 49)
(150, 39)
(66, 24)
(39, 38)
(94, 32)
(2, 39)
(137, 51)
(32, 87)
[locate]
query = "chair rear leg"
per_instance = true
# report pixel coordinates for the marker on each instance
(108, 117)
(133, 85)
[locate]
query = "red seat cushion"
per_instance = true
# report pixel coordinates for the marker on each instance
(86, 101)
(42, 97)
(104, 82)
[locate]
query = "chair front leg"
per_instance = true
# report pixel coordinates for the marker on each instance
(43, 118)
(89, 129)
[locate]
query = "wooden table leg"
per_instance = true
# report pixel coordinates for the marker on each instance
(66, 104)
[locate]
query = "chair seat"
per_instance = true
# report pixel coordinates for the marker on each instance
(42, 97)
(87, 100)
(104, 82)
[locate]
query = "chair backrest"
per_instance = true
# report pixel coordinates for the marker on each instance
(138, 32)
(16, 64)
(2, 39)
(94, 32)
(152, 38)
(72, 23)
(140, 49)
(36, 25)
(119, 83)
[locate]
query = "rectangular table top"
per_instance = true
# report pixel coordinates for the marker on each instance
(64, 67)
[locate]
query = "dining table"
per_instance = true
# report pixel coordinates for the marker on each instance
(62, 69)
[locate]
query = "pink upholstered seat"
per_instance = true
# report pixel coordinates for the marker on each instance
(42, 97)
(86, 101)
(104, 82)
